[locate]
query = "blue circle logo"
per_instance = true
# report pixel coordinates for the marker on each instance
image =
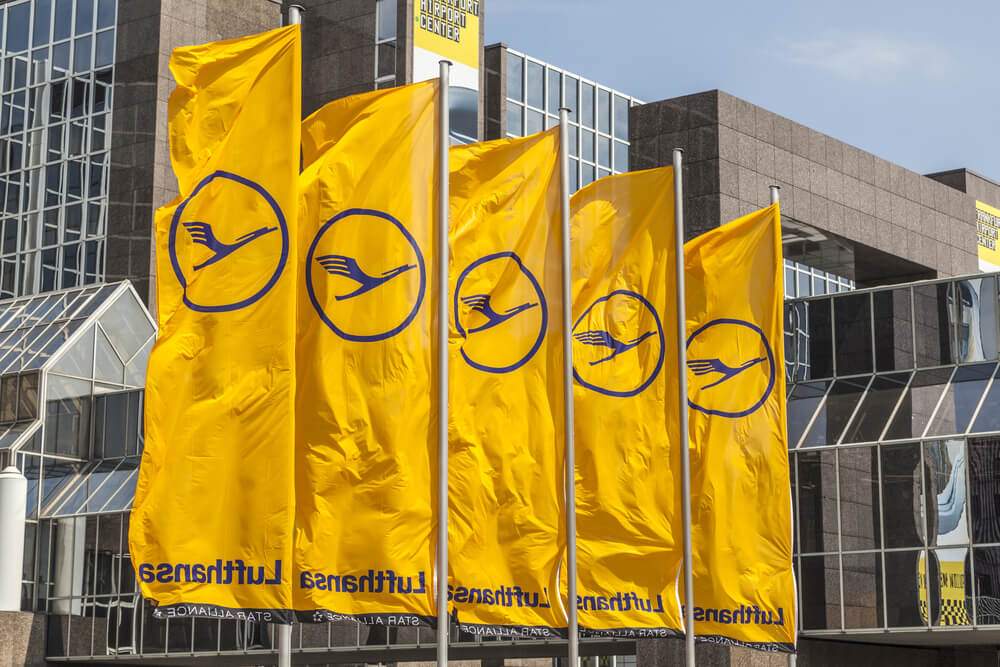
(618, 345)
(226, 263)
(730, 368)
(500, 312)
(365, 275)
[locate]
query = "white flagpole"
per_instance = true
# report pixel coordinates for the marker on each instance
(775, 189)
(567, 331)
(442, 292)
(682, 410)
(284, 632)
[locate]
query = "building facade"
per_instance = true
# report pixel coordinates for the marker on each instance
(891, 332)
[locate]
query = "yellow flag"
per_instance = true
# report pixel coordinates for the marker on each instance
(507, 510)
(627, 460)
(740, 494)
(366, 421)
(212, 520)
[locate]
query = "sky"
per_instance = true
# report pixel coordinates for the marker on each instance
(916, 82)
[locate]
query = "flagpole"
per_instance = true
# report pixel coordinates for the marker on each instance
(793, 658)
(284, 632)
(567, 330)
(682, 409)
(444, 145)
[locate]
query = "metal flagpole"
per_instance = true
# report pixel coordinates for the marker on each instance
(682, 409)
(567, 331)
(442, 291)
(775, 189)
(284, 632)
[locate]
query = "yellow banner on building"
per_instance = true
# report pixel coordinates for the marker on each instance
(507, 519)
(212, 522)
(448, 28)
(740, 493)
(988, 235)
(366, 422)
(629, 541)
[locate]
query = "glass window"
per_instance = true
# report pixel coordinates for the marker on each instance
(917, 404)
(604, 151)
(819, 343)
(572, 96)
(988, 418)
(84, 16)
(604, 110)
(386, 58)
(574, 177)
(81, 56)
(587, 145)
(43, 19)
(859, 499)
(515, 115)
(984, 484)
(515, 75)
(621, 157)
(876, 408)
(534, 121)
(902, 491)
(933, 310)
(818, 285)
(894, 326)
(820, 595)
(817, 494)
(18, 18)
(947, 520)
(586, 175)
(586, 104)
(105, 13)
(621, 117)
(554, 90)
(574, 141)
(961, 399)
(27, 396)
(534, 83)
(853, 335)
(802, 405)
(107, 365)
(987, 585)
(834, 414)
(977, 319)
(386, 11)
(464, 112)
(862, 590)
(903, 569)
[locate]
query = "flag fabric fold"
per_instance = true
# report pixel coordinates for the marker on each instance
(507, 511)
(212, 522)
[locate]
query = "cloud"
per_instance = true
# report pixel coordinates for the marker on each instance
(873, 57)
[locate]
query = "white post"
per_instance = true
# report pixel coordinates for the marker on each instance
(567, 331)
(682, 409)
(13, 499)
(792, 657)
(284, 632)
(444, 145)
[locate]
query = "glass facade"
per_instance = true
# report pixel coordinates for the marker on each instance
(385, 43)
(894, 441)
(55, 125)
(598, 142)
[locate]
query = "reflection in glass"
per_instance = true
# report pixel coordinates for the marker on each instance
(621, 118)
(796, 339)
(535, 85)
(988, 418)
(852, 315)
(984, 487)
(515, 75)
(961, 400)
(587, 104)
(820, 340)
(977, 319)
(987, 585)
(554, 91)
(834, 414)
(859, 499)
(950, 599)
(820, 583)
(932, 307)
(817, 475)
(903, 605)
(894, 330)
(947, 520)
(902, 490)
(862, 590)
(801, 406)
(514, 114)
(918, 403)
(876, 408)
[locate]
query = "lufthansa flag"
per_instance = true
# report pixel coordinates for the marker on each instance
(366, 425)
(740, 493)
(211, 526)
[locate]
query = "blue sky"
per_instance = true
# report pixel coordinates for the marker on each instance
(917, 82)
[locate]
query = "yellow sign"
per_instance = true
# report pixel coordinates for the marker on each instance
(988, 228)
(449, 28)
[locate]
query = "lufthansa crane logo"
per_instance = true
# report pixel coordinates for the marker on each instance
(365, 275)
(500, 312)
(730, 368)
(618, 345)
(228, 243)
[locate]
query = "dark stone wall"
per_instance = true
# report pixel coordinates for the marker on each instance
(22, 639)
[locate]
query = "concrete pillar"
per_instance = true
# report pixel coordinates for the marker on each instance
(68, 564)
